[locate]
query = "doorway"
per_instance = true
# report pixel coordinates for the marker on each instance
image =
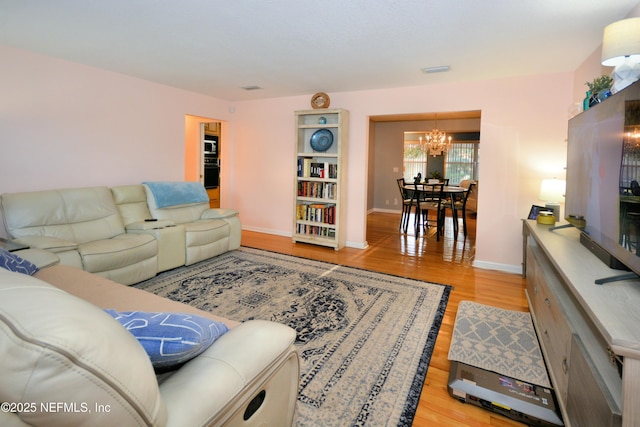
(386, 150)
(197, 130)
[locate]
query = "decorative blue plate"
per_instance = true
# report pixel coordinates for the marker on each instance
(321, 140)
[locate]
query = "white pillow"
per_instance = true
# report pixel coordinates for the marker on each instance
(66, 362)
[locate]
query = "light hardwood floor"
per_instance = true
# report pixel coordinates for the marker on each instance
(447, 262)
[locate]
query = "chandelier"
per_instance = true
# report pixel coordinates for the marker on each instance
(435, 141)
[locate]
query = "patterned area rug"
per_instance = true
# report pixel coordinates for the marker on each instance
(365, 338)
(498, 340)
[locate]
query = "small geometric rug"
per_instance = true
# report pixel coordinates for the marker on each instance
(365, 339)
(498, 340)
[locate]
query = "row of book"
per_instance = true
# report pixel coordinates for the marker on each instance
(317, 189)
(316, 212)
(314, 230)
(308, 168)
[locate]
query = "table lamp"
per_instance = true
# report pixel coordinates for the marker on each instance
(621, 49)
(552, 192)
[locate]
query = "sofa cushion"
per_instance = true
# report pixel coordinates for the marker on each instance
(206, 232)
(131, 201)
(77, 215)
(13, 262)
(118, 252)
(170, 339)
(56, 347)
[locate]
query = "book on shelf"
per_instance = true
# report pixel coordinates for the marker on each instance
(316, 212)
(317, 189)
(316, 231)
(309, 168)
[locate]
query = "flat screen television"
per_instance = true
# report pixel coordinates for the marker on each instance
(603, 172)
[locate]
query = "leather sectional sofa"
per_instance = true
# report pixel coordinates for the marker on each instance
(122, 233)
(65, 362)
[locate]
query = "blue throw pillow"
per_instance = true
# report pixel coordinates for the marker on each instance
(13, 262)
(170, 339)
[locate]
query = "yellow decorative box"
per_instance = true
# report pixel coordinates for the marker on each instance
(546, 218)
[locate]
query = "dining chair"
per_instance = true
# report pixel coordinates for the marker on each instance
(430, 199)
(460, 204)
(407, 204)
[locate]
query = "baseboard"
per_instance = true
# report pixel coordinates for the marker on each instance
(355, 245)
(391, 211)
(507, 268)
(268, 231)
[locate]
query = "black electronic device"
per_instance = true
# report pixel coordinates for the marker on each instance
(528, 403)
(602, 165)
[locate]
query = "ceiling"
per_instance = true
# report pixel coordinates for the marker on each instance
(297, 47)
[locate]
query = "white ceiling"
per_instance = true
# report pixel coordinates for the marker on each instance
(296, 47)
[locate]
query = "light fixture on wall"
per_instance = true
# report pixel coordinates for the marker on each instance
(435, 141)
(621, 49)
(552, 192)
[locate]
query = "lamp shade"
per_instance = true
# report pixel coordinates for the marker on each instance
(552, 190)
(621, 42)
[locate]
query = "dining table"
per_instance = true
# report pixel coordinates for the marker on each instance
(449, 192)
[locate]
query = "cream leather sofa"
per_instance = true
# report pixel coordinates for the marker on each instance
(209, 232)
(65, 362)
(107, 230)
(83, 227)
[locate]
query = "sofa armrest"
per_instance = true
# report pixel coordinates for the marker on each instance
(49, 243)
(39, 257)
(149, 225)
(218, 213)
(216, 387)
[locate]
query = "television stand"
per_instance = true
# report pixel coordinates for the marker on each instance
(588, 334)
(618, 278)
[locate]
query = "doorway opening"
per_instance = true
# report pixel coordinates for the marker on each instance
(389, 136)
(203, 153)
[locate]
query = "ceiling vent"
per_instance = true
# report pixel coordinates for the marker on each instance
(438, 69)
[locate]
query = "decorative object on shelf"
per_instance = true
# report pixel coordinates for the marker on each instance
(435, 141)
(321, 140)
(320, 100)
(546, 218)
(552, 192)
(600, 89)
(322, 120)
(586, 101)
(621, 49)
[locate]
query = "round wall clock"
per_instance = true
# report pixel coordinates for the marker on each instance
(320, 100)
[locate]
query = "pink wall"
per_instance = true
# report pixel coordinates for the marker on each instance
(523, 132)
(66, 125)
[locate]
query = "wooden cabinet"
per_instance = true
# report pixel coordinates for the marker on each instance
(212, 128)
(214, 197)
(321, 155)
(588, 333)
